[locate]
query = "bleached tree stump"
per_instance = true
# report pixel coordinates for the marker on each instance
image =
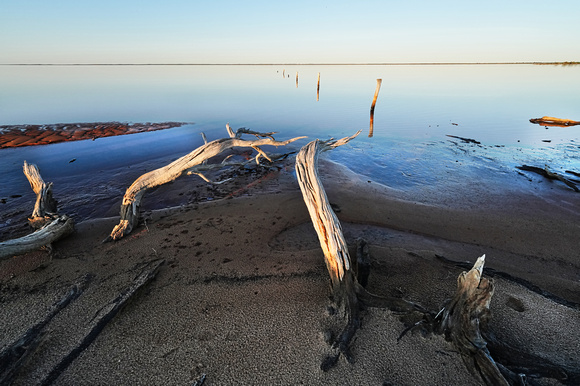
(45, 205)
(132, 198)
(462, 319)
(50, 226)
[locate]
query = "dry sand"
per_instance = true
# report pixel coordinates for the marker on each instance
(243, 296)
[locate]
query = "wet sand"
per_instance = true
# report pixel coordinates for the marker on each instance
(243, 294)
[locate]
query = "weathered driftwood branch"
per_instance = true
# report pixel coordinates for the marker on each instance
(13, 356)
(344, 275)
(168, 173)
(461, 319)
(58, 228)
(323, 217)
(104, 316)
(50, 226)
(546, 172)
(552, 121)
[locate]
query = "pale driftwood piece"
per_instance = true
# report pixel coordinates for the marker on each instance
(58, 228)
(323, 217)
(45, 205)
(104, 316)
(552, 121)
(168, 173)
(462, 318)
(346, 289)
(15, 355)
(50, 226)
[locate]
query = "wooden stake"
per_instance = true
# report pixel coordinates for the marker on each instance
(318, 88)
(379, 81)
(296, 79)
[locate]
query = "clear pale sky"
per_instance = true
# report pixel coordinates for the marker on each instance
(270, 31)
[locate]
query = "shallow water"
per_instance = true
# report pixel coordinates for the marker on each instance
(417, 107)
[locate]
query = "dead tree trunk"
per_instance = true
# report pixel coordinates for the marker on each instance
(50, 226)
(462, 318)
(346, 290)
(168, 173)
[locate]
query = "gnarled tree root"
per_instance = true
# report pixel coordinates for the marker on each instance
(460, 321)
(469, 315)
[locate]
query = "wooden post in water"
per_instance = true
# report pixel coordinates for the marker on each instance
(296, 79)
(318, 88)
(379, 81)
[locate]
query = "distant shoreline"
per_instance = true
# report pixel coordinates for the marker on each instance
(297, 64)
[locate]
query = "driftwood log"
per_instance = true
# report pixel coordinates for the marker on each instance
(346, 277)
(168, 173)
(552, 121)
(48, 224)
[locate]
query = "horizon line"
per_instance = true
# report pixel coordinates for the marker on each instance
(291, 64)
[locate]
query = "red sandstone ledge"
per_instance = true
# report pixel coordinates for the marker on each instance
(32, 135)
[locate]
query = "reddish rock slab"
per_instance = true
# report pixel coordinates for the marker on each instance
(33, 135)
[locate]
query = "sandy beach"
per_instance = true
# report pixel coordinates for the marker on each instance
(242, 295)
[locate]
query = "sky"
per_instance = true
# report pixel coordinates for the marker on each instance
(271, 31)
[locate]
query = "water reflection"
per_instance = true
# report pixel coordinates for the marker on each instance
(490, 104)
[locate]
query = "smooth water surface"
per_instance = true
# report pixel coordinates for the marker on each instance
(417, 107)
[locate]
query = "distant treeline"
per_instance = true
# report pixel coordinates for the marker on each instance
(559, 63)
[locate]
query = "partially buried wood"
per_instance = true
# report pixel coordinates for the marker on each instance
(50, 226)
(462, 318)
(347, 292)
(134, 194)
(104, 316)
(13, 356)
(546, 172)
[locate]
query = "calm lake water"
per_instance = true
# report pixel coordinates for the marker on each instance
(417, 107)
